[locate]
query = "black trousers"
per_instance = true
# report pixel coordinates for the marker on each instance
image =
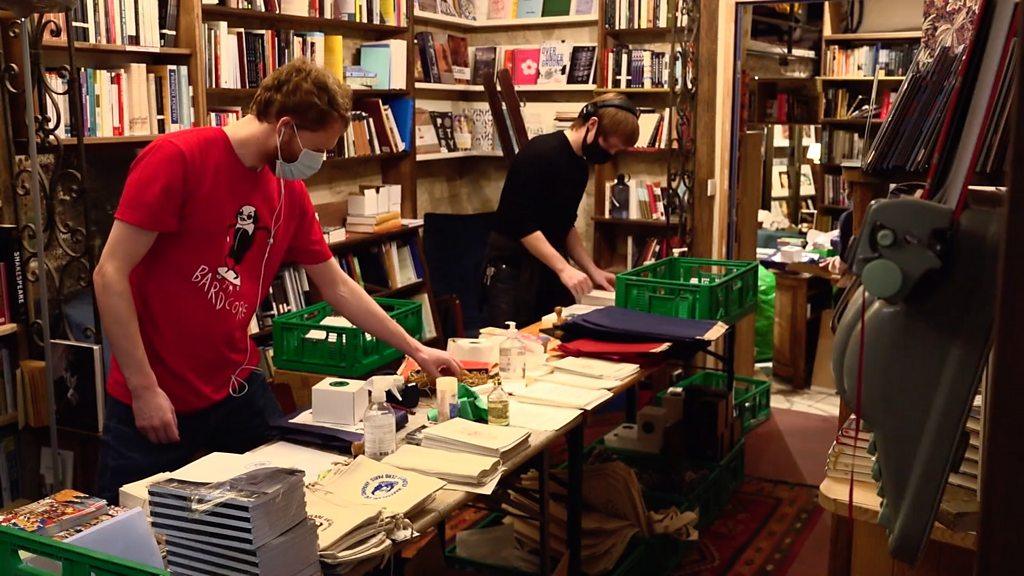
(518, 286)
(235, 424)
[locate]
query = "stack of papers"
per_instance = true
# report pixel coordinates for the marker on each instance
(540, 417)
(596, 368)
(62, 511)
(254, 524)
(552, 394)
(457, 467)
(577, 381)
(463, 435)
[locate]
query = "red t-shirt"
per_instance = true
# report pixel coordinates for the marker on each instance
(196, 290)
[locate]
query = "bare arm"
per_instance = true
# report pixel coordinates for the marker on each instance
(125, 247)
(577, 282)
(352, 302)
(578, 253)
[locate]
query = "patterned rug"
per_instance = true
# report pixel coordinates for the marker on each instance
(759, 533)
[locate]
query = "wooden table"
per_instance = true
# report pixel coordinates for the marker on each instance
(948, 552)
(447, 501)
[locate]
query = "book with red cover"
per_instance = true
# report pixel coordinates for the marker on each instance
(61, 511)
(642, 353)
(525, 66)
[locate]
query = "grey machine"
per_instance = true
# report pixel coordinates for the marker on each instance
(927, 273)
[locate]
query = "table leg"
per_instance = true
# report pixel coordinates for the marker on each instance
(545, 544)
(631, 401)
(575, 509)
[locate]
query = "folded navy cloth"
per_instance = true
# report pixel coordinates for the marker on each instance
(620, 324)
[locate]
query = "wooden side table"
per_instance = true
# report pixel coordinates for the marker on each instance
(789, 359)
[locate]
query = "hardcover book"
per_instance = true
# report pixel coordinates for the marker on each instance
(458, 48)
(581, 64)
(525, 66)
(78, 393)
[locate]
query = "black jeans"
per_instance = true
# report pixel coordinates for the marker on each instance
(235, 424)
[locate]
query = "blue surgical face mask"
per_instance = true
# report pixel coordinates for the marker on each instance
(307, 164)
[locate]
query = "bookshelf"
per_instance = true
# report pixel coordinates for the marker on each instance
(642, 163)
(456, 23)
(259, 19)
(840, 132)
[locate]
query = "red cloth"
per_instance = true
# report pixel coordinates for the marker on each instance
(642, 353)
(195, 291)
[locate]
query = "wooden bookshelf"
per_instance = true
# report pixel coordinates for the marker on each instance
(260, 19)
(525, 88)
(873, 36)
(354, 239)
(113, 140)
(433, 156)
(456, 23)
(632, 90)
(130, 51)
(367, 158)
(634, 34)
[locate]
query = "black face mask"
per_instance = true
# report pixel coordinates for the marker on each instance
(593, 152)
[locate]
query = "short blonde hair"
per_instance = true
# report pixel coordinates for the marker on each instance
(305, 92)
(614, 122)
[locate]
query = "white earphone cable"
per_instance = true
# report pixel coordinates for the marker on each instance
(238, 386)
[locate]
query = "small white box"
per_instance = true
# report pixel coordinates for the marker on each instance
(340, 401)
(366, 204)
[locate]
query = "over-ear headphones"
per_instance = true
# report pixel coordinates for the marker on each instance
(590, 109)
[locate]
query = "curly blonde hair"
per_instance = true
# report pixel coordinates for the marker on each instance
(303, 91)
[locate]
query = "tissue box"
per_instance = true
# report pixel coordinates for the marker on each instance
(340, 401)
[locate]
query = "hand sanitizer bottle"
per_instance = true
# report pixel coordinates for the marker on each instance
(379, 430)
(512, 356)
(497, 405)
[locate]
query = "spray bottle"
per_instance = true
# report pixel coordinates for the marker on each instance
(512, 356)
(379, 428)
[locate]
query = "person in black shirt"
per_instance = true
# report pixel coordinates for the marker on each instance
(528, 271)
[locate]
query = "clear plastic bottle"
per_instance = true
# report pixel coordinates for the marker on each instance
(379, 429)
(497, 405)
(512, 356)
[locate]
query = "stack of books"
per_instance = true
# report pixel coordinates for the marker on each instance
(254, 524)
(376, 209)
(137, 100)
(653, 132)
(463, 435)
(645, 202)
(55, 514)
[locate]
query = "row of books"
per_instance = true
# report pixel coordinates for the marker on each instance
(8, 384)
(652, 249)
(224, 115)
(148, 23)
(442, 132)
(388, 12)
(507, 9)
(288, 292)
(786, 107)
(636, 68)
(654, 128)
(864, 61)
(137, 100)
(372, 130)
(645, 201)
(241, 58)
(907, 138)
(835, 190)
(388, 266)
(841, 145)
(632, 14)
(843, 103)
(445, 59)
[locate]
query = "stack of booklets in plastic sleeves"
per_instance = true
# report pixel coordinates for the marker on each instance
(253, 524)
(849, 455)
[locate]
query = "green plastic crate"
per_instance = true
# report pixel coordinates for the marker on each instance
(337, 350)
(751, 398)
(693, 288)
(74, 560)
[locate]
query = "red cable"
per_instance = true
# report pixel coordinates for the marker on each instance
(860, 387)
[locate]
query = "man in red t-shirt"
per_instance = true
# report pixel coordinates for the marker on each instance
(207, 217)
